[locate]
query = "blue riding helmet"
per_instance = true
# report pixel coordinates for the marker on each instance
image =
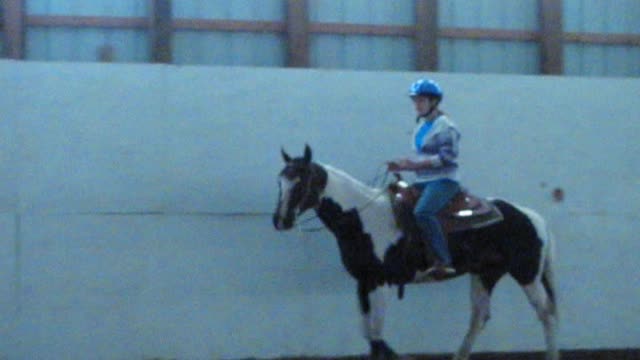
(426, 87)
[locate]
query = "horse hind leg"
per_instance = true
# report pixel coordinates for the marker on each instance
(481, 287)
(541, 295)
(535, 276)
(543, 302)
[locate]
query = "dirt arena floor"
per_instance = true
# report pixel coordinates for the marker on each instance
(609, 354)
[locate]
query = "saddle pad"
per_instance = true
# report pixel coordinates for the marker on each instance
(467, 219)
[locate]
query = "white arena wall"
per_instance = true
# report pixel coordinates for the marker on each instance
(135, 208)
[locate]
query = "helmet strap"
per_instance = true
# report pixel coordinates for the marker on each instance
(432, 108)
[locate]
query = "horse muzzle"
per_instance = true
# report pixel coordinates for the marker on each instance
(282, 224)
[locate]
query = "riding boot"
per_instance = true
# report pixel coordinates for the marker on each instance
(434, 265)
(422, 255)
(441, 262)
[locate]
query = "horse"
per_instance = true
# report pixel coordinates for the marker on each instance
(361, 219)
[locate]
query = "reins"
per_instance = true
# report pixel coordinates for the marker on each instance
(381, 178)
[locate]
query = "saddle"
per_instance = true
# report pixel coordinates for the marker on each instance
(463, 212)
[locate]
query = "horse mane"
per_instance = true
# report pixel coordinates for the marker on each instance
(363, 188)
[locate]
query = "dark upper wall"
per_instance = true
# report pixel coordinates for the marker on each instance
(574, 37)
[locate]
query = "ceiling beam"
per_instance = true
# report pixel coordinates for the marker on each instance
(426, 35)
(297, 33)
(551, 37)
(13, 20)
(161, 31)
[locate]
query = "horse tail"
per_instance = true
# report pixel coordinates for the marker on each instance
(547, 278)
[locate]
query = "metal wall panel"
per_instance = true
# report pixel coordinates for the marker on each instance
(602, 60)
(492, 14)
(600, 16)
(87, 8)
(219, 48)
(246, 49)
(56, 44)
(399, 12)
(82, 44)
(483, 56)
(489, 56)
(263, 10)
(362, 52)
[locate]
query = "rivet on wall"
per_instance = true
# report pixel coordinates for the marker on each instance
(558, 195)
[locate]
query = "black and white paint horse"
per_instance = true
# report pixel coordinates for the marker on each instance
(363, 224)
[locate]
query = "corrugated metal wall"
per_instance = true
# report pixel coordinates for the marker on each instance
(489, 56)
(346, 51)
(362, 52)
(71, 44)
(256, 49)
(602, 16)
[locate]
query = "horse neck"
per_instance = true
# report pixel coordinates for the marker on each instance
(368, 210)
(348, 191)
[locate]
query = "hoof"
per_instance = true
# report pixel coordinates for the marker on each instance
(406, 357)
(381, 351)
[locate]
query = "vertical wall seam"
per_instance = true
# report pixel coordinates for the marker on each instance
(17, 266)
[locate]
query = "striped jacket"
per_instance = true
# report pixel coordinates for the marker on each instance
(437, 141)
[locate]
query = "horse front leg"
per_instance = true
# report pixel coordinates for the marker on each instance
(480, 312)
(372, 308)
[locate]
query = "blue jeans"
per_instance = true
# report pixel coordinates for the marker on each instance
(435, 195)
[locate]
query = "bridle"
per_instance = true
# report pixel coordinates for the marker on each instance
(302, 207)
(307, 195)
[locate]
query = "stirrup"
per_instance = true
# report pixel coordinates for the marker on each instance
(440, 270)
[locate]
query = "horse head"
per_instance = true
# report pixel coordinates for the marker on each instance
(300, 182)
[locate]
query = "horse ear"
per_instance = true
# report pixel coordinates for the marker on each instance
(307, 153)
(285, 156)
